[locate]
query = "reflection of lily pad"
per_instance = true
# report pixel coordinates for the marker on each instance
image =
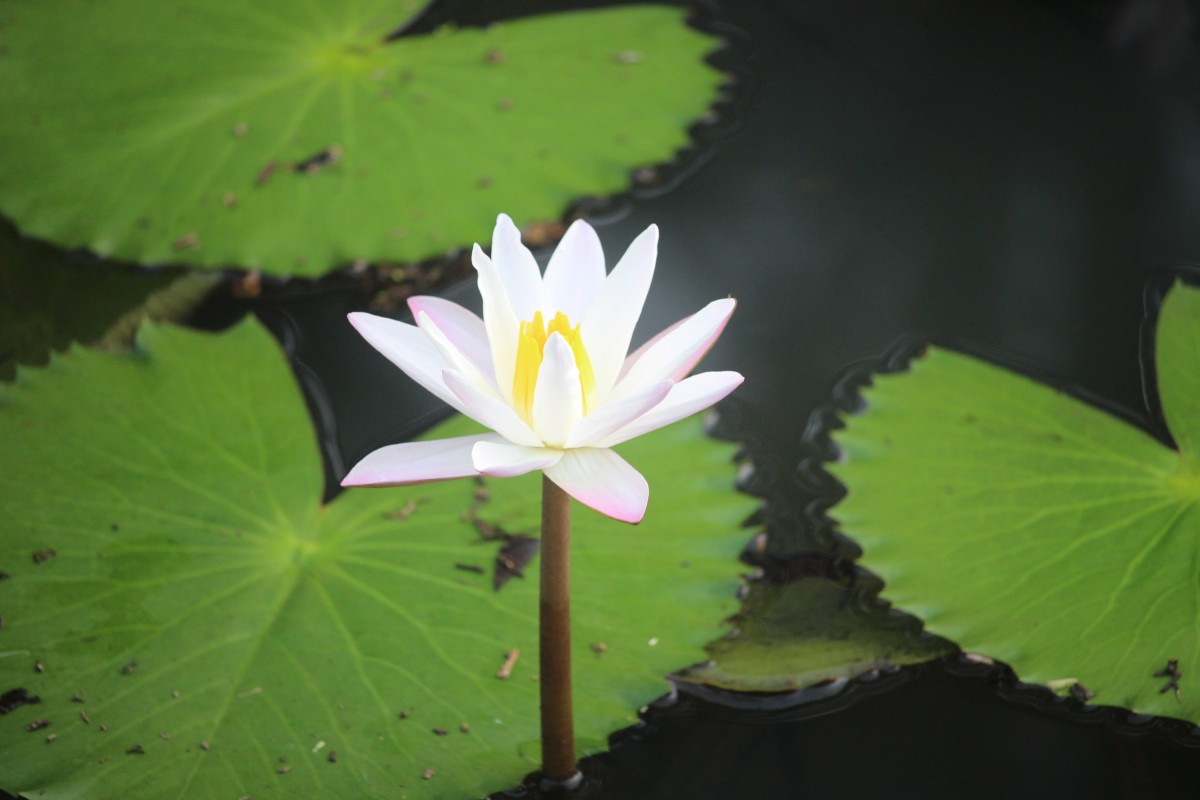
(225, 635)
(1032, 528)
(295, 138)
(802, 633)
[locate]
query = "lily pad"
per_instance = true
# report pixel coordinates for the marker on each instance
(1031, 527)
(807, 632)
(294, 139)
(196, 624)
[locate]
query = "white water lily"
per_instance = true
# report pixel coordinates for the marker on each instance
(546, 369)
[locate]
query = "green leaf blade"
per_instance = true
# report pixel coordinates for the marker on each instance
(199, 593)
(1030, 527)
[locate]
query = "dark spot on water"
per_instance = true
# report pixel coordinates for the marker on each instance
(37, 725)
(136, 750)
(44, 555)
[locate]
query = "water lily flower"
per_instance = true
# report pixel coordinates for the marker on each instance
(546, 370)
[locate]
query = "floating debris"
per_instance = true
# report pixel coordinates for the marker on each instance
(510, 661)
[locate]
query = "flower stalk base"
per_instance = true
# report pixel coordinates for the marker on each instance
(554, 677)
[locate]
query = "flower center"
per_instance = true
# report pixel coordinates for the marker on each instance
(530, 343)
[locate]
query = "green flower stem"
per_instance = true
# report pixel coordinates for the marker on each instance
(558, 730)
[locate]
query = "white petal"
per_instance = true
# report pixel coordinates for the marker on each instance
(487, 410)
(575, 272)
(418, 462)
(558, 396)
(633, 357)
(518, 270)
(454, 357)
(408, 348)
(461, 327)
(501, 323)
(506, 460)
(674, 355)
(611, 417)
(609, 324)
(601, 479)
(685, 398)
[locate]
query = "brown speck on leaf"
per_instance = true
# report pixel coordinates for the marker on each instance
(598, 647)
(427, 774)
(1081, 692)
(283, 759)
(405, 511)
(541, 234)
(240, 129)
(629, 57)
(398, 233)
(284, 770)
(332, 757)
(166, 737)
(38, 666)
(189, 241)
(103, 728)
(129, 668)
(264, 175)
(44, 555)
(464, 728)
(229, 200)
(50, 737)
(318, 161)
(504, 104)
(403, 715)
(175, 693)
(440, 732)
(37, 725)
(4, 576)
(250, 285)
(77, 698)
(204, 745)
(478, 570)
(645, 175)
(136, 750)
(83, 715)
(484, 182)
(510, 661)
(494, 56)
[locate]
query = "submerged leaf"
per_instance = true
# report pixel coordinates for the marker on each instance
(296, 138)
(206, 629)
(1030, 527)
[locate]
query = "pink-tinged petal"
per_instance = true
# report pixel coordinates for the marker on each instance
(575, 272)
(408, 348)
(608, 326)
(674, 355)
(506, 460)
(558, 396)
(685, 398)
(518, 270)
(641, 351)
(454, 357)
(487, 410)
(601, 479)
(611, 417)
(418, 462)
(465, 330)
(499, 321)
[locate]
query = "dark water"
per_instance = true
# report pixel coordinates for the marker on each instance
(1005, 177)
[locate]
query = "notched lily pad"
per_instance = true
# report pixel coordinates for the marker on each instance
(207, 629)
(296, 139)
(1028, 526)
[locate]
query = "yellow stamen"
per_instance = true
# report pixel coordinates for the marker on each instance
(531, 341)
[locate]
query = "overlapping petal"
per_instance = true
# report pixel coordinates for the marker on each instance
(572, 419)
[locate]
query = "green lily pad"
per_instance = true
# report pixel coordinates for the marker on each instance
(196, 624)
(294, 139)
(1030, 527)
(806, 632)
